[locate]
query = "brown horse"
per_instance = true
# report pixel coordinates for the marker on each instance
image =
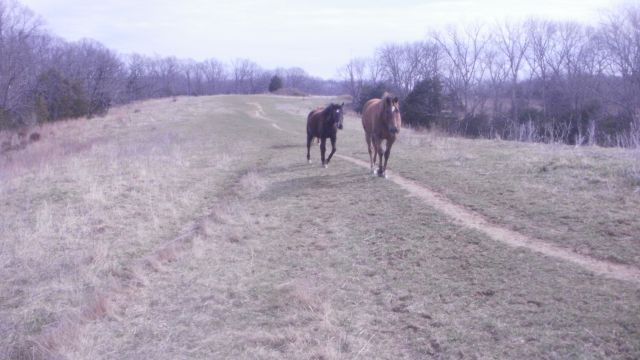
(381, 121)
(323, 124)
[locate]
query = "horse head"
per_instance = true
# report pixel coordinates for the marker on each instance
(336, 115)
(391, 114)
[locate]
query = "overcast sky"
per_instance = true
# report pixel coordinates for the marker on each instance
(318, 36)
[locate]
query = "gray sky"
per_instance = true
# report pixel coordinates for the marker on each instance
(318, 36)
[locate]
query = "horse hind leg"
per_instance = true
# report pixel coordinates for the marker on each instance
(309, 140)
(333, 148)
(374, 170)
(371, 151)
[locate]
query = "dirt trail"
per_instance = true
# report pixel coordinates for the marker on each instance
(259, 114)
(506, 236)
(477, 222)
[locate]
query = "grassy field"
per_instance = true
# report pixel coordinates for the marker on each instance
(195, 229)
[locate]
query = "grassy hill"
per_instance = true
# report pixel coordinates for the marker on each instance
(195, 229)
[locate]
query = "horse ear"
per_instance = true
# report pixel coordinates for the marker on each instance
(342, 104)
(395, 100)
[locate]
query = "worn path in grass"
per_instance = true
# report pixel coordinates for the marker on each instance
(476, 221)
(581, 199)
(290, 260)
(512, 238)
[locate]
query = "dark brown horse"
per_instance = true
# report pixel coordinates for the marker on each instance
(323, 124)
(381, 121)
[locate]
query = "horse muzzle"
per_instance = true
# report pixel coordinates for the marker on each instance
(340, 127)
(394, 130)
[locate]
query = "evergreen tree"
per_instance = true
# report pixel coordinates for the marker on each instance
(423, 104)
(275, 84)
(367, 93)
(56, 97)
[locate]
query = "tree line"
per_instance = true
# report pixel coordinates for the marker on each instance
(534, 80)
(44, 78)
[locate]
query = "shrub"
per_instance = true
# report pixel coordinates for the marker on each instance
(368, 92)
(474, 125)
(58, 98)
(34, 137)
(290, 92)
(275, 84)
(423, 105)
(4, 119)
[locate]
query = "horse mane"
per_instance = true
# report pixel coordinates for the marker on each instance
(327, 110)
(385, 96)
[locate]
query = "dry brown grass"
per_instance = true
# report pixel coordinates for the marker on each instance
(190, 229)
(79, 205)
(252, 184)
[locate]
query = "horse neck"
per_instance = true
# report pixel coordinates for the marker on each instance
(380, 122)
(327, 126)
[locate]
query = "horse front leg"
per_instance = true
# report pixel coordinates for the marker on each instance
(380, 154)
(333, 148)
(323, 149)
(387, 152)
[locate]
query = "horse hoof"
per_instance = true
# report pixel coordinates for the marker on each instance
(374, 172)
(325, 166)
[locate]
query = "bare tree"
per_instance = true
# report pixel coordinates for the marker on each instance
(498, 73)
(463, 51)
(619, 37)
(19, 30)
(99, 69)
(169, 73)
(136, 87)
(513, 42)
(215, 75)
(353, 75)
(295, 78)
(245, 74)
(390, 61)
(429, 59)
(402, 66)
(373, 70)
(542, 39)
